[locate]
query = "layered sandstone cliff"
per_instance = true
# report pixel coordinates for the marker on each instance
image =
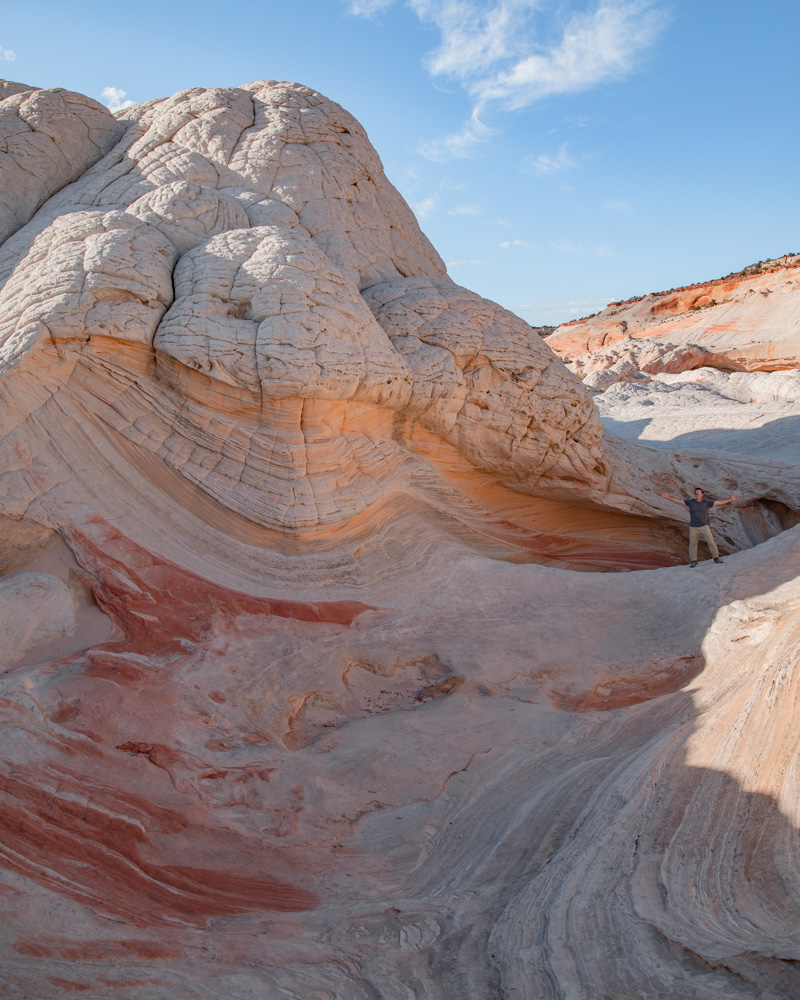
(749, 321)
(310, 683)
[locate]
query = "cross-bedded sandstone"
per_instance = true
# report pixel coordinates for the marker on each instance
(301, 693)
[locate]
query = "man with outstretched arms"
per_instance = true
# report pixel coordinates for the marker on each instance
(698, 522)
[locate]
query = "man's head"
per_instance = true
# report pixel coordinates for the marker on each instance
(698, 493)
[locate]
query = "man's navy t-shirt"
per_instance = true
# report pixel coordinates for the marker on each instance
(698, 512)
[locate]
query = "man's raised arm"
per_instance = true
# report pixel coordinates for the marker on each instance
(678, 499)
(720, 503)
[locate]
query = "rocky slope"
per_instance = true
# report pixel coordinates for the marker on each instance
(347, 655)
(749, 321)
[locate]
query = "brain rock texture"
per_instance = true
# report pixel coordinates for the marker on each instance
(346, 655)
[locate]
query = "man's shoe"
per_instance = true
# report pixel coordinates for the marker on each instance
(717, 559)
(692, 564)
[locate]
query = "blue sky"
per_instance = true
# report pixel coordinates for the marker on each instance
(559, 155)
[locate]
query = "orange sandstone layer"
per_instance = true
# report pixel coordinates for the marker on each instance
(746, 322)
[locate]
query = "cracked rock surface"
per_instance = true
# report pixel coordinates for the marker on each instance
(346, 654)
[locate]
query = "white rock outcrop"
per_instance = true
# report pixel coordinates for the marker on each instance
(50, 137)
(346, 654)
(304, 296)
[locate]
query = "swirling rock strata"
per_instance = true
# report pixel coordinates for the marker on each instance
(301, 693)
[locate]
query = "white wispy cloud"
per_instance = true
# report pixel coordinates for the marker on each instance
(461, 263)
(572, 304)
(619, 206)
(513, 243)
(475, 36)
(114, 99)
(584, 249)
(505, 55)
(9, 55)
(459, 143)
(544, 163)
(603, 44)
(424, 208)
(465, 210)
(555, 311)
(368, 8)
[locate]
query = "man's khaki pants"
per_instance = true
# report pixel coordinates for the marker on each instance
(695, 534)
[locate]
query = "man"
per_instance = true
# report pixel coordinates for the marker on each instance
(698, 522)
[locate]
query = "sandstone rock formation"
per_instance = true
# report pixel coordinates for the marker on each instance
(331, 665)
(749, 321)
(9, 87)
(50, 137)
(743, 413)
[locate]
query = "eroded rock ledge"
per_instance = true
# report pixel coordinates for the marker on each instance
(300, 693)
(236, 289)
